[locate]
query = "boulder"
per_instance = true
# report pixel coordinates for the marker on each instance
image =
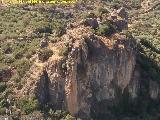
(122, 13)
(121, 24)
(44, 42)
(92, 22)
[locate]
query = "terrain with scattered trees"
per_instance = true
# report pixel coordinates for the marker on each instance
(23, 28)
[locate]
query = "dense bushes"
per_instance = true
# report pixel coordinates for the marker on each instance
(3, 86)
(149, 45)
(16, 21)
(102, 10)
(44, 54)
(129, 3)
(20, 33)
(63, 51)
(107, 28)
(60, 115)
(2, 111)
(28, 105)
(148, 61)
(22, 66)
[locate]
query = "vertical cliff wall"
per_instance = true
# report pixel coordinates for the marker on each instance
(97, 72)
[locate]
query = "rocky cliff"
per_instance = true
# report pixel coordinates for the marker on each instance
(95, 69)
(79, 61)
(87, 72)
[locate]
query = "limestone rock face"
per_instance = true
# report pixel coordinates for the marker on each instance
(95, 69)
(134, 85)
(154, 90)
(42, 92)
(57, 83)
(100, 71)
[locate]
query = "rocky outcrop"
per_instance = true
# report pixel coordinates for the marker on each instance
(57, 83)
(91, 72)
(134, 85)
(120, 18)
(42, 90)
(100, 72)
(122, 13)
(95, 69)
(91, 22)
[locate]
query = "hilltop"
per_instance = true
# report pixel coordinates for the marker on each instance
(90, 60)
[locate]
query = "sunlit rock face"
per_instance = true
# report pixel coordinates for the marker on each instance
(96, 73)
(95, 69)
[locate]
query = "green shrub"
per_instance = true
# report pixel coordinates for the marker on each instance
(3, 87)
(3, 67)
(22, 66)
(69, 117)
(107, 28)
(44, 54)
(15, 78)
(30, 53)
(19, 54)
(8, 91)
(90, 15)
(102, 10)
(6, 48)
(2, 111)
(136, 3)
(58, 114)
(8, 59)
(63, 51)
(44, 30)
(28, 105)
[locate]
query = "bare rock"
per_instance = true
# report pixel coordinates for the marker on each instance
(92, 22)
(122, 13)
(121, 24)
(120, 18)
(42, 90)
(153, 90)
(43, 43)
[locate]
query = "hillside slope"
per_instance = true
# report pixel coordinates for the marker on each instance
(90, 60)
